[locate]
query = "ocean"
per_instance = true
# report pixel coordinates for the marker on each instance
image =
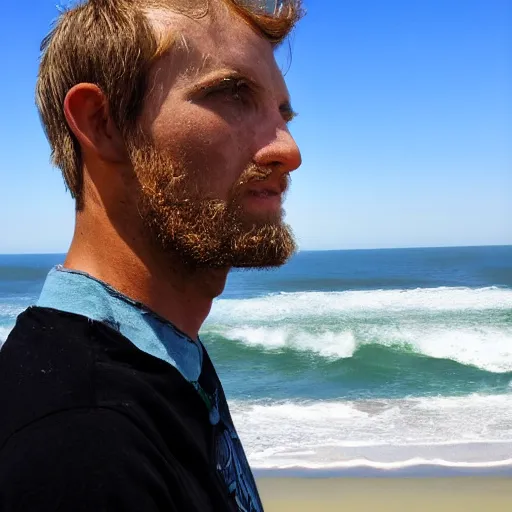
(343, 359)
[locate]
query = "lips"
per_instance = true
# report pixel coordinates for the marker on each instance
(268, 189)
(264, 193)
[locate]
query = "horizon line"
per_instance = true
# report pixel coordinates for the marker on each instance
(311, 250)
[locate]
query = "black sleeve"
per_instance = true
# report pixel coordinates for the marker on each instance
(82, 460)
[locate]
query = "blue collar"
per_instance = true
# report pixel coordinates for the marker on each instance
(77, 292)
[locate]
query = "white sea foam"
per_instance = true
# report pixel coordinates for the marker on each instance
(8, 310)
(8, 313)
(462, 324)
(289, 306)
(489, 348)
(4, 332)
(416, 462)
(471, 431)
(327, 344)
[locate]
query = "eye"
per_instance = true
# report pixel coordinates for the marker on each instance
(233, 88)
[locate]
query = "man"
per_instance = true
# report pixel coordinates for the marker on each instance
(169, 121)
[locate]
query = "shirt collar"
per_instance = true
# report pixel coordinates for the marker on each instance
(77, 292)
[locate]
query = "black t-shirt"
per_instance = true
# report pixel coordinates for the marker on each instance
(91, 423)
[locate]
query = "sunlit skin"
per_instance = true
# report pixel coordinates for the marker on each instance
(217, 104)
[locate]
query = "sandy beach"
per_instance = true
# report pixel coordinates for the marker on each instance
(468, 494)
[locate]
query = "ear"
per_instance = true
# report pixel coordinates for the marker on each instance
(88, 115)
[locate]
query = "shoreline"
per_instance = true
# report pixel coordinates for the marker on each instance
(462, 493)
(366, 471)
(421, 471)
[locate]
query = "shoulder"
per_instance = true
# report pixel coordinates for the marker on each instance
(55, 361)
(36, 326)
(45, 366)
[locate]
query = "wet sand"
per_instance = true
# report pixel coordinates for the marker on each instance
(468, 494)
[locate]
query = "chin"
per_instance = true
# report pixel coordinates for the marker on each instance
(265, 246)
(260, 219)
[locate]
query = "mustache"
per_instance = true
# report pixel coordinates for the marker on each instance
(255, 173)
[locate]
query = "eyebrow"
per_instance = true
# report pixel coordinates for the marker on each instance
(214, 77)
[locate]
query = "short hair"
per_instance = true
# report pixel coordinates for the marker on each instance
(111, 43)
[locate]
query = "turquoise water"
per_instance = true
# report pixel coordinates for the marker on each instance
(383, 358)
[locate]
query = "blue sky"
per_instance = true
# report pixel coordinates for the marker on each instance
(405, 127)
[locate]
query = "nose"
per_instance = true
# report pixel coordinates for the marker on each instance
(282, 153)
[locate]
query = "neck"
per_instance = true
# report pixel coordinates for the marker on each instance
(163, 283)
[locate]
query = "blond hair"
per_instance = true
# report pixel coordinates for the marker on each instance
(112, 44)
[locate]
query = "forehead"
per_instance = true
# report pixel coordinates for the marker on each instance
(220, 40)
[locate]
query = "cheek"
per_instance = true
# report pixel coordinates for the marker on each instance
(207, 145)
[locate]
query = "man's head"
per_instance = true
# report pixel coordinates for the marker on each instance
(172, 114)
